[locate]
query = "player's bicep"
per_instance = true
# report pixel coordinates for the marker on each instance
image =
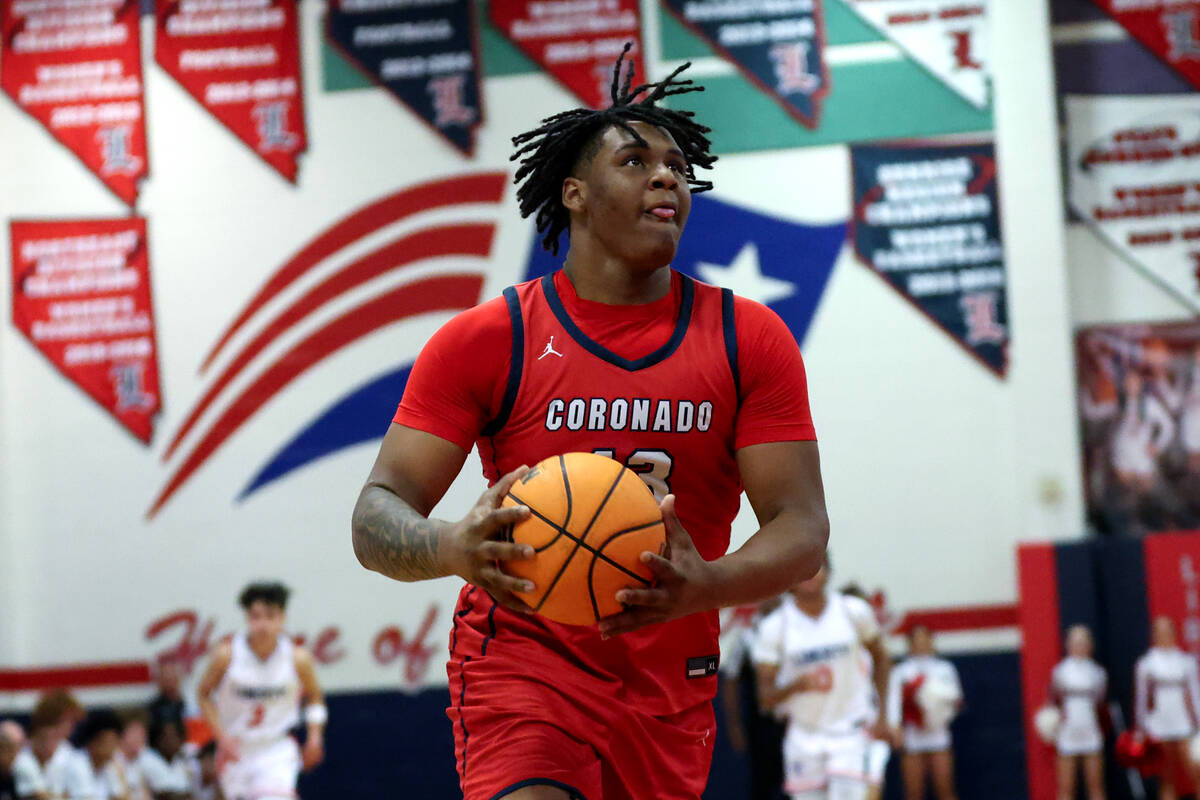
(416, 466)
(783, 476)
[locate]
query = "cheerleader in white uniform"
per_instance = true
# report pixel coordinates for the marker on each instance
(926, 742)
(1078, 686)
(1167, 702)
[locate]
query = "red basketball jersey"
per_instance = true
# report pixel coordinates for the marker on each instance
(671, 415)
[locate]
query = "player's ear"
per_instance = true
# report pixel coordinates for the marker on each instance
(574, 194)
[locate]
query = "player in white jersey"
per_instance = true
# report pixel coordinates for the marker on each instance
(810, 664)
(923, 728)
(251, 695)
(1078, 687)
(1167, 702)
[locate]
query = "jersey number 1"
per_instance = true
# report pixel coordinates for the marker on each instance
(654, 467)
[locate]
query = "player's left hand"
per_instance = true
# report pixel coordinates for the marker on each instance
(314, 751)
(681, 582)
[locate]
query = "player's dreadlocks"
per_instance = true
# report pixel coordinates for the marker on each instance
(550, 153)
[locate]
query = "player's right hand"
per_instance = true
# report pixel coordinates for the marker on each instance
(475, 549)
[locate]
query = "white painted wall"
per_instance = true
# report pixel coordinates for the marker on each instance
(933, 467)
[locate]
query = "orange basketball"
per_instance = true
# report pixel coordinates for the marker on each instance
(591, 519)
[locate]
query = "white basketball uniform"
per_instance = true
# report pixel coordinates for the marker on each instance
(1167, 690)
(919, 738)
(258, 703)
(1078, 686)
(826, 743)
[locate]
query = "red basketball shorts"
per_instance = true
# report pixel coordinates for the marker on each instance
(518, 724)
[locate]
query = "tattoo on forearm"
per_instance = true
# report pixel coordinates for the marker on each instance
(392, 538)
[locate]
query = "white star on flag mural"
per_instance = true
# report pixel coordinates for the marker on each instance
(745, 277)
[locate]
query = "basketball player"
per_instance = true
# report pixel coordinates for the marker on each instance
(928, 757)
(1167, 703)
(251, 695)
(539, 710)
(811, 668)
(1078, 686)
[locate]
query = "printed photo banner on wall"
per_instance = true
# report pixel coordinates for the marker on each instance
(425, 54)
(81, 295)
(577, 43)
(77, 69)
(778, 46)
(927, 218)
(241, 61)
(1169, 28)
(947, 37)
(1134, 177)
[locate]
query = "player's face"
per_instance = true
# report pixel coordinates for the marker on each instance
(634, 198)
(264, 622)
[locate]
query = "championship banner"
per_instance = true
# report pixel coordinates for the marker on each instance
(241, 61)
(81, 294)
(577, 43)
(77, 69)
(1169, 28)
(947, 37)
(1133, 175)
(425, 54)
(778, 46)
(927, 219)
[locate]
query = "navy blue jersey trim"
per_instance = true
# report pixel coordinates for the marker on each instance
(571, 790)
(491, 627)
(600, 351)
(731, 350)
(516, 366)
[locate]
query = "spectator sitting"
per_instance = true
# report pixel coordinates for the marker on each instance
(205, 785)
(12, 739)
(164, 765)
(38, 769)
(126, 763)
(168, 705)
(86, 775)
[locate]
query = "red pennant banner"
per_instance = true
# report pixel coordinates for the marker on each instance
(81, 294)
(1170, 28)
(77, 69)
(241, 60)
(576, 42)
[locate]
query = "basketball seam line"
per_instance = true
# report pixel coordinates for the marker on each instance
(597, 554)
(562, 471)
(580, 542)
(561, 533)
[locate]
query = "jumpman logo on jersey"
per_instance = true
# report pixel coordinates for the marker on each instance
(549, 349)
